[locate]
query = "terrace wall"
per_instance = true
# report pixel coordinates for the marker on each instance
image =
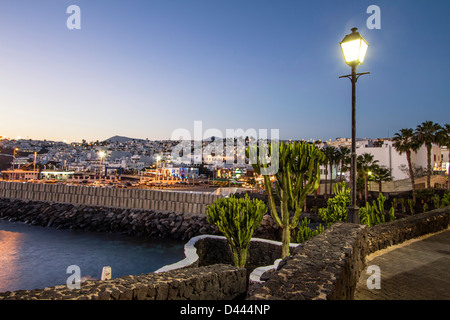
(147, 199)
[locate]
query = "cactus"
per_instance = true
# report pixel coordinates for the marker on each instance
(436, 201)
(298, 175)
(402, 202)
(305, 232)
(375, 214)
(337, 207)
(445, 199)
(411, 204)
(237, 219)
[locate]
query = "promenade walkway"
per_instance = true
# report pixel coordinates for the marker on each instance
(418, 269)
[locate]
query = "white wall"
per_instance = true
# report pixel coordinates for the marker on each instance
(388, 157)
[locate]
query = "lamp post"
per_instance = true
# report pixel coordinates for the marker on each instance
(354, 49)
(158, 159)
(14, 159)
(101, 155)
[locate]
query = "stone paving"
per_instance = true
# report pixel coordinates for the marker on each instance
(418, 269)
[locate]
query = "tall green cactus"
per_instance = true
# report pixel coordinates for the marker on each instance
(298, 175)
(237, 219)
(375, 214)
(337, 207)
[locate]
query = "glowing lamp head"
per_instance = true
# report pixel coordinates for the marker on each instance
(101, 154)
(354, 48)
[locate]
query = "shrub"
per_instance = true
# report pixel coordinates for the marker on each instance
(436, 200)
(337, 207)
(305, 232)
(445, 202)
(375, 214)
(237, 219)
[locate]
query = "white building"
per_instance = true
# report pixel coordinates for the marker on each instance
(388, 157)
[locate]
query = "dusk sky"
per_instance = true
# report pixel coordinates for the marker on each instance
(145, 68)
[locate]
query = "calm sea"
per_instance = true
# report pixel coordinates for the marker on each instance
(33, 257)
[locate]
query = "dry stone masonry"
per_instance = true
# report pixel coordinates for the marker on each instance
(215, 282)
(155, 224)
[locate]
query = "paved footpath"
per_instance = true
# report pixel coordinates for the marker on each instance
(418, 269)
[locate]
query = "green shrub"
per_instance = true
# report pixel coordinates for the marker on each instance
(337, 207)
(375, 214)
(436, 201)
(305, 232)
(445, 202)
(411, 204)
(237, 219)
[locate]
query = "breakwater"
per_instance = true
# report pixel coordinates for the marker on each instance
(132, 221)
(140, 222)
(147, 199)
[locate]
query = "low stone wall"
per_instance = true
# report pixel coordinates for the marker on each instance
(328, 266)
(325, 267)
(395, 232)
(405, 184)
(210, 249)
(216, 282)
(148, 199)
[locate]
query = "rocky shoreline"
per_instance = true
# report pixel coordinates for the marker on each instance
(138, 222)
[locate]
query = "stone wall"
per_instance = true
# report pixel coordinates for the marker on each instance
(211, 249)
(155, 224)
(405, 184)
(395, 232)
(325, 267)
(140, 222)
(328, 266)
(160, 200)
(215, 282)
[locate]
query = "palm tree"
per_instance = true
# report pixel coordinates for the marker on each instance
(381, 174)
(330, 156)
(406, 142)
(427, 134)
(365, 163)
(345, 159)
(444, 140)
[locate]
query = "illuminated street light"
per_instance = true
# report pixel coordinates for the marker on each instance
(14, 159)
(158, 158)
(354, 49)
(101, 155)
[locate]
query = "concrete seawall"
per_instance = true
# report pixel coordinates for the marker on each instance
(173, 201)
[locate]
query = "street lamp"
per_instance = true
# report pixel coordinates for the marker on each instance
(14, 159)
(158, 159)
(354, 49)
(101, 154)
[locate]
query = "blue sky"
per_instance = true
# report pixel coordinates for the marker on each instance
(145, 68)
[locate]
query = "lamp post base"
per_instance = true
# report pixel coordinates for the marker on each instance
(353, 214)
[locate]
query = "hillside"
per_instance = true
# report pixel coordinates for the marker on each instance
(121, 139)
